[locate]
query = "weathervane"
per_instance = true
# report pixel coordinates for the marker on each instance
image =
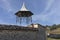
(24, 15)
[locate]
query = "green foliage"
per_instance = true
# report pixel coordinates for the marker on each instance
(54, 26)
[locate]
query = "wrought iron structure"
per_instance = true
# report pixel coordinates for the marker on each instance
(23, 15)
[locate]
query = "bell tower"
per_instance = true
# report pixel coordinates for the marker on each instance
(24, 15)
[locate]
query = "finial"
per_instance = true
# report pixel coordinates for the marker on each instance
(23, 7)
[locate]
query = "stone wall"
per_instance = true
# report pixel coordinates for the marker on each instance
(23, 35)
(17, 35)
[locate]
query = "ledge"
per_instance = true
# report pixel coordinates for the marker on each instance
(15, 27)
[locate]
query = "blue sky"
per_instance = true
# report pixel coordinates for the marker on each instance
(46, 12)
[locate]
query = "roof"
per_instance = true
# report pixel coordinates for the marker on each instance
(23, 8)
(23, 12)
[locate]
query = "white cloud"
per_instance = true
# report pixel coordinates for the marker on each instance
(6, 5)
(50, 14)
(48, 5)
(42, 16)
